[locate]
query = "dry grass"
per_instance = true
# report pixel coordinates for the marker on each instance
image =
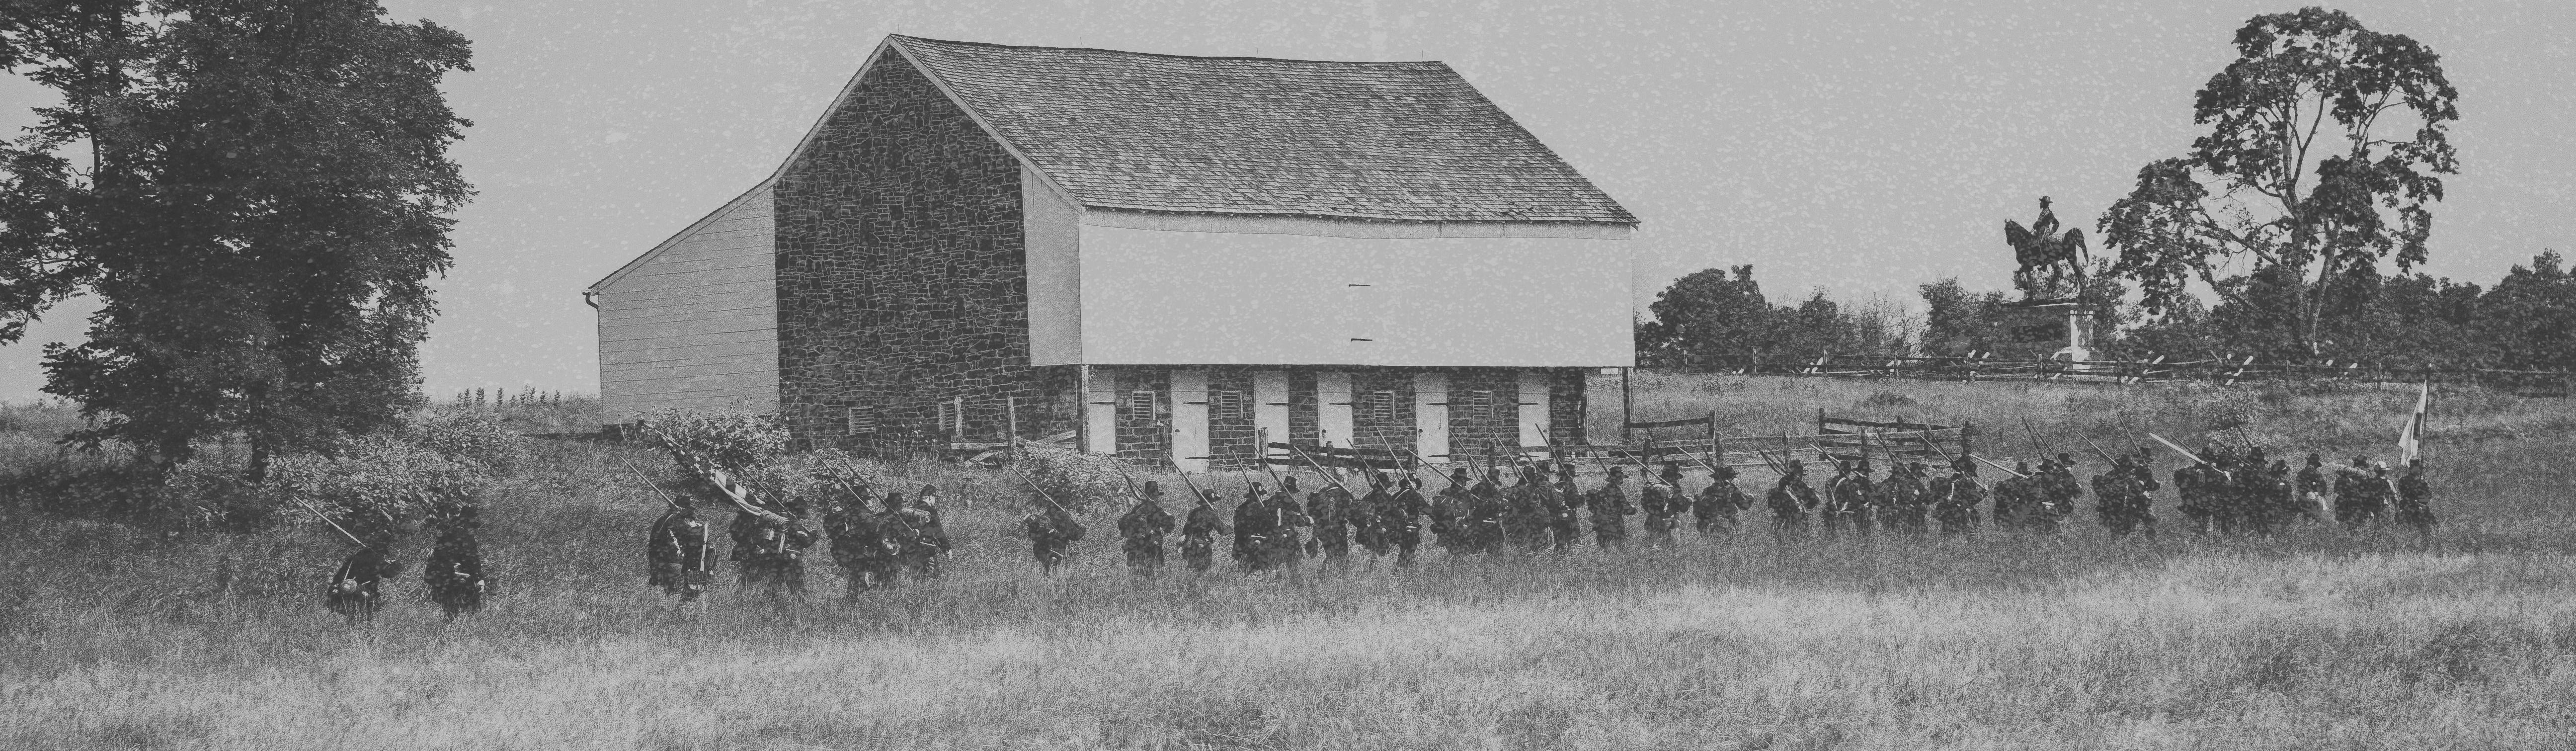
(2322, 639)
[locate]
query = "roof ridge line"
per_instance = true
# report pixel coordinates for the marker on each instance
(997, 45)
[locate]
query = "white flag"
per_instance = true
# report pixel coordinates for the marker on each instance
(2411, 437)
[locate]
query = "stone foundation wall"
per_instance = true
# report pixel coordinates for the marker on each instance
(1382, 425)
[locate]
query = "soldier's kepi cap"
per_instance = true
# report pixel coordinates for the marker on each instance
(1153, 488)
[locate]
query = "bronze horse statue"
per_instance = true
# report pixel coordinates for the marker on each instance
(2041, 247)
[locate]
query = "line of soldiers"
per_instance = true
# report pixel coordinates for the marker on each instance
(874, 547)
(452, 578)
(2227, 493)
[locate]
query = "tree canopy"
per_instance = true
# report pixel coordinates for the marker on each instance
(2299, 174)
(266, 195)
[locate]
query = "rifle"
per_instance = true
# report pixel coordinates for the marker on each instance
(2195, 458)
(1319, 469)
(344, 531)
(1999, 467)
(1195, 492)
(1945, 455)
(707, 470)
(1042, 494)
(2036, 448)
(2097, 449)
(648, 482)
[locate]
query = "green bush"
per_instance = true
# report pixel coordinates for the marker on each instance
(482, 439)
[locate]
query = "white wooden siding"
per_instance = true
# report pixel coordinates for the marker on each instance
(694, 325)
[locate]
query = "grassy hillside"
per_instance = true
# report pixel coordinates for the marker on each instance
(2321, 639)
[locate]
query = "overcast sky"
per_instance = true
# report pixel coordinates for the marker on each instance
(1860, 147)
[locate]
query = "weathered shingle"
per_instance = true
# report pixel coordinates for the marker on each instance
(1405, 141)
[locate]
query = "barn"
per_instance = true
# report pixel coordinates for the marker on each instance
(1164, 257)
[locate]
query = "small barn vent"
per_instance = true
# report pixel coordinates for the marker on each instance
(862, 420)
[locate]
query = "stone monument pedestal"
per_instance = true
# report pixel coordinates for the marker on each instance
(2049, 329)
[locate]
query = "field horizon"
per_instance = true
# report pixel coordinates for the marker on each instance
(111, 637)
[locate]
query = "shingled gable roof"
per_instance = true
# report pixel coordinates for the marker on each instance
(1404, 141)
(1246, 136)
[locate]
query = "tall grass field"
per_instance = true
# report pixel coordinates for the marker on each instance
(2322, 638)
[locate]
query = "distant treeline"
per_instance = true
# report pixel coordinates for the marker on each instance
(2526, 321)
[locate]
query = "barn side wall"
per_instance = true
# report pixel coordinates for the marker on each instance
(693, 325)
(901, 275)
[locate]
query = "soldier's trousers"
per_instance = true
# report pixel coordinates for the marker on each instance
(1610, 537)
(1659, 529)
(1566, 534)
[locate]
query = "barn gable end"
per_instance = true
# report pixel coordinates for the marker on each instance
(692, 324)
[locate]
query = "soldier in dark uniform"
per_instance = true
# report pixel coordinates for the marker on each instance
(1253, 527)
(1565, 511)
(2191, 493)
(1713, 510)
(1052, 531)
(1403, 518)
(1368, 517)
(2065, 492)
(858, 544)
(2043, 509)
(1199, 530)
(1525, 525)
(356, 587)
(2014, 499)
(1486, 509)
(2313, 488)
(1790, 499)
(2415, 499)
(2361, 495)
(454, 573)
(1285, 550)
(1610, 511)
(1452, 515)
(2123, 497)
(1663, 503)
(773, 559)
(1958, 511)
(934, 531)
(1141, 530)
(1329, 507)
(683, 560)
(907, 528)
(1905, 507)
(1847, 498)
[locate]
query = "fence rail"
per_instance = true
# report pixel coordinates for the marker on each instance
(2220, 369)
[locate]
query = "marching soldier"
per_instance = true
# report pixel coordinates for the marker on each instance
(1329, 507)
(1486, 508)
(908, 529)
(1906, 507)
(2415, 499)
(1565, 510)
(2014, 498)
(1847, 498)
(934, 532)
(2361, 494)
(1610, 511)
(2312, 488)
(1525, 527)
(683, 560)
(774, 558)
(1052, 532)
(2191, 488)
(1141, 530)
(1403, 518)
(1713, 512)
(1954, 498)
(1663, 503)
(1284, 547)
(1451, 515)
(1199, 531)
(1368, 516)
(2123, 498)
(1253, 528)
(859, 546)
(355, 591)
(454, 572)
(1791, 499)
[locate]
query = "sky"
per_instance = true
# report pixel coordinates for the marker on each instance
(1862, 148)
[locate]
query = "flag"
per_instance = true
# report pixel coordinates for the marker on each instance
(2410, 438)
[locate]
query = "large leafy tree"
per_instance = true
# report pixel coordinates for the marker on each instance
(266, 195)
(2325, 145)
(1705, 315)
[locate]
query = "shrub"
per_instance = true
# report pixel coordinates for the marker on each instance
(372, 484)
(736, 440)
(1070, 477)
(481, 439)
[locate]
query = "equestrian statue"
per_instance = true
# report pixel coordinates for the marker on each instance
(2042, 250)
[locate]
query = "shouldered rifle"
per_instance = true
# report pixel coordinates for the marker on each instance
(344, 531)
(1945, 455)
(2195, 458)
(1195, 491)
(1042, 494)
(648, 482)
(2097, 449)
(1999, 467)
(1319, 469)
(2036, 448)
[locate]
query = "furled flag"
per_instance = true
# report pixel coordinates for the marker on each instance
(2411, 437)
